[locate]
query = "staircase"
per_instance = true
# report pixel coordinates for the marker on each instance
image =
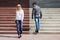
(50, 22)
(7, 20)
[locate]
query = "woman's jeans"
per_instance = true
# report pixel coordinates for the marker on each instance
(19, 26)
(37, 22)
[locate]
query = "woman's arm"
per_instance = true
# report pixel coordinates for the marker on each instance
(22, 16)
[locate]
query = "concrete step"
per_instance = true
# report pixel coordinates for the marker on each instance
(46, 32)
(46, 19)
(13, 32)
(31, 17)
(48, 10)
(58, 13)
(12, 22)
(12, 11)
(8, 25)
(47, 24)
(12, 14)
(13, 28)
(46, 28)
(50, 16)
(11, 17)
(13, 8)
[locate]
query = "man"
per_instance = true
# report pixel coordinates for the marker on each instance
(36, 14)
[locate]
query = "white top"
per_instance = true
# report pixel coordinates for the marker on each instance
(20, 15)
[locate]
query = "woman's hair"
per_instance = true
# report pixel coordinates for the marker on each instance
(19, 7)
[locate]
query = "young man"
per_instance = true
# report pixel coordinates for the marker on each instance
(36, 14)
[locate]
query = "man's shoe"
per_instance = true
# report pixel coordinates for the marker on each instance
(36, 31)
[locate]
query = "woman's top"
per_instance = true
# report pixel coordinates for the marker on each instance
(20, 15)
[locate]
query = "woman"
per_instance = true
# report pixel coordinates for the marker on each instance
(19, 19)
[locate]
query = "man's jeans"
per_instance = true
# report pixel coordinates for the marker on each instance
(37, 22)
(19, 26)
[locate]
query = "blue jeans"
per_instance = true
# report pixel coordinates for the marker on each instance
(37, 22)
(19, 26)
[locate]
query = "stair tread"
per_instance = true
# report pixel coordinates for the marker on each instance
(12, 22)
(13, 32)
(11, 27)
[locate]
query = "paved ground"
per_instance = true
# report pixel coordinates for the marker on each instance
(30, 37)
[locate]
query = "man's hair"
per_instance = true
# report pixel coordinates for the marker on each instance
(34, 3)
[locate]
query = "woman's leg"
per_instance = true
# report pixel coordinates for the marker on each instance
(17, 24)
(20, 28)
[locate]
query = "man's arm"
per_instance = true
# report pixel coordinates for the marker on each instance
(40, 14)
(33, 11)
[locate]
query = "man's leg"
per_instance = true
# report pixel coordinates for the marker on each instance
(37, 24)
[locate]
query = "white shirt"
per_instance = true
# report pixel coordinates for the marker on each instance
(20, 15)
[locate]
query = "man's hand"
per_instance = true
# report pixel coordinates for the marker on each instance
(32, 17)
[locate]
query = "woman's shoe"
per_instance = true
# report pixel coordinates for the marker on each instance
(19, 36)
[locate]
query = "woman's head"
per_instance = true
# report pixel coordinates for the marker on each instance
(19, 7)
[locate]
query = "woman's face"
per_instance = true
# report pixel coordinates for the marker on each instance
(18, 7)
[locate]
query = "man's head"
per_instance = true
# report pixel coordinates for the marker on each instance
(34, 4)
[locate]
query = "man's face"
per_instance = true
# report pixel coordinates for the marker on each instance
(34, 5)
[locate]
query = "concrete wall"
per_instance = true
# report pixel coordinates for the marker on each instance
(13, 3)
(47, 3)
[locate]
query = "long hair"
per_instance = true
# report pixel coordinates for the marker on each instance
(19, 7)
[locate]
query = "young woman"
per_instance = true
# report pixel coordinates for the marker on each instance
(19, 19)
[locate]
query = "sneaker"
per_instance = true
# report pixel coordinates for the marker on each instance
(36, 31)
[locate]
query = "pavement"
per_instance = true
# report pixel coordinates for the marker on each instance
(30, 37)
